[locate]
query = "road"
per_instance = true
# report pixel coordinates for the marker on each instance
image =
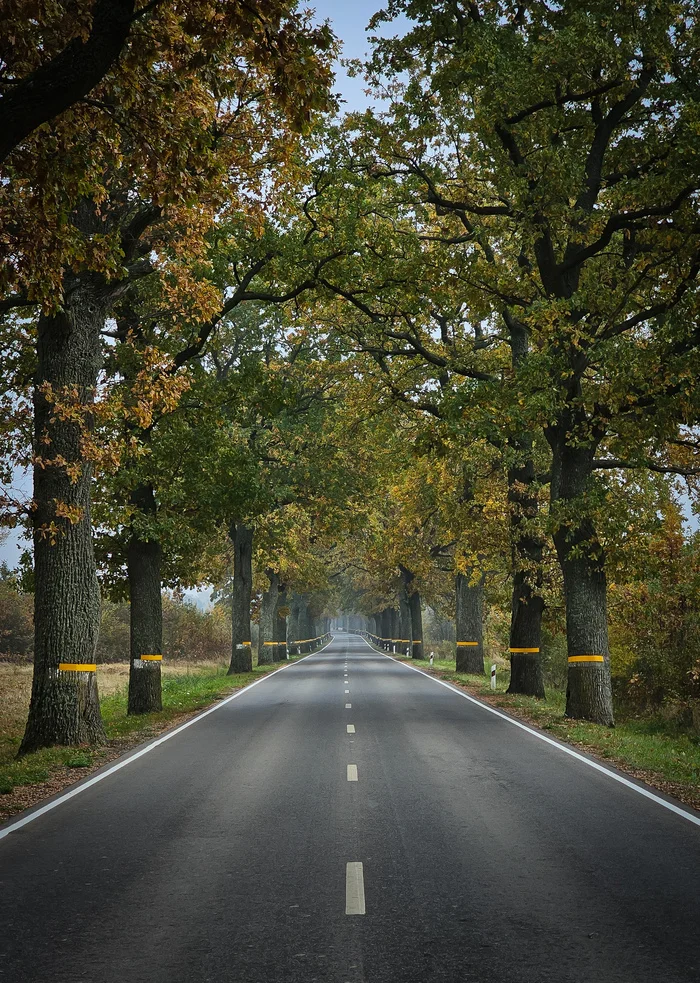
(222, 854)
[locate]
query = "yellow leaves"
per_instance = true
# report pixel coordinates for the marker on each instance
(73, 513)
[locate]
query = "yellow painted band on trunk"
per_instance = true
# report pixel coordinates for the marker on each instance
(151, 658)
(77, 666)
(586, 658)
(468, 643)
(272, 643)
(417, 641)
(246, 643)
(523, 650)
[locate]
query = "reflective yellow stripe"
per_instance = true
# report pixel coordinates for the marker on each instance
(245, 643)
(467, 643)
(417, 641)
(523, 650)
(272, 643)
(586, 658)
(77, 666)
(151, 658)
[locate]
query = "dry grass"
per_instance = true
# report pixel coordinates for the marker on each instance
(16, 687)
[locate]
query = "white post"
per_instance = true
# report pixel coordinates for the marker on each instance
(432, 656)
(493, 677)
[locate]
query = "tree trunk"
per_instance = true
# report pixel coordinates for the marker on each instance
(386, 628)
(416, 625)
(268, 614)
(145, 613)
(64, 705)
(469, 624)
(405, 630)
(582, 561)
(293, 621)
(281, 625)
(527, 604)
(241, 537)
(305, 626)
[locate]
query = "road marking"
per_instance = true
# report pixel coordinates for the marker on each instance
(354, 889)
(6, 830)
(347, 692)
(351, 728)
(348, 706)
(555, 744)
(352, 773)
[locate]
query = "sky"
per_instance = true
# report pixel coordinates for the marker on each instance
(349, 20)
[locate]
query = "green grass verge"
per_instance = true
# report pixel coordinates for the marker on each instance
(181, 694)
(645, 744)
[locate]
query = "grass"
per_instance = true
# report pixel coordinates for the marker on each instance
(187, 687)
(651, 748)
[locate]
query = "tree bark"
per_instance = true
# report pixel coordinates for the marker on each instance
(146, 613)
(386, 627)
(281, 625)
(527, 547)
(405, 630)
(527, 604)
(582, 560)
(293, 621)
(268, 614)
(64, 705)
(416, 625)
(469, 624)
(241, 537)
(305, 626)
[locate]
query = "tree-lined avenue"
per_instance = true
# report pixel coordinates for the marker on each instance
(224, 853)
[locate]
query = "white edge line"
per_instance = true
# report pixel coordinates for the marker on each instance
(548, 740)
(5, 831)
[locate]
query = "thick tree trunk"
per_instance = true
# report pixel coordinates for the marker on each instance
(146, 614)
(469, 624)
(64, 705)
(268, 615)
(527, 546)
(293, 621)
(405, 630)
(281, 625)
(306, 630)
(386, 628)
(416, 625)
(241, 537)
(527, 604)
(582, 561)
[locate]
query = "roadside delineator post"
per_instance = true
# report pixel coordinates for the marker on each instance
(432, 656)
(493, 676)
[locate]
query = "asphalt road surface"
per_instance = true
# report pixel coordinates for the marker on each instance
(248, 849)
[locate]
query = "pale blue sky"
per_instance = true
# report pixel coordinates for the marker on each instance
(349, 22)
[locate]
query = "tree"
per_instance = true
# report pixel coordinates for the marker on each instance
(558, 142)
(105, 224)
